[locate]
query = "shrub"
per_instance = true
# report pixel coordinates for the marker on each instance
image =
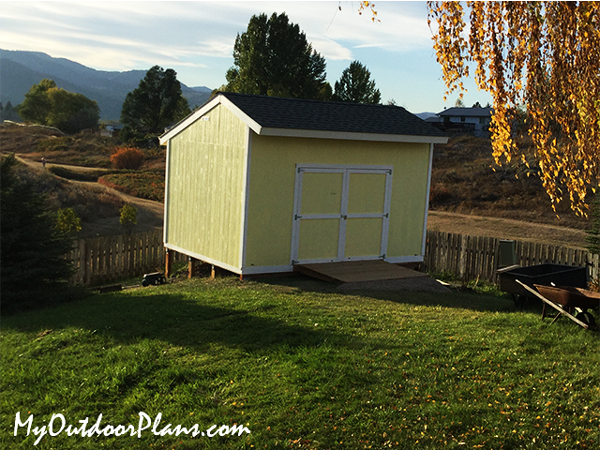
(67, 221)
(128, 217)
(127, 158)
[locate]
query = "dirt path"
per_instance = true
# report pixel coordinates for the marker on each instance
(505, 229)
(149, 216)
(151, 213)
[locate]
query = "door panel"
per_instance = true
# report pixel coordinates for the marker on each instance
(366, 193)
(321, 193)
(319, 239)
(363, 237)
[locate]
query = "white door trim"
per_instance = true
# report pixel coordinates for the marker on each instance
(346, 170)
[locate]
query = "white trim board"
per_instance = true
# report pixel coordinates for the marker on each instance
(343, 215)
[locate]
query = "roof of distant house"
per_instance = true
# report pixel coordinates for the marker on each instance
(467, 112)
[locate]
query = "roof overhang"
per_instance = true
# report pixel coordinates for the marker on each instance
(290, 132)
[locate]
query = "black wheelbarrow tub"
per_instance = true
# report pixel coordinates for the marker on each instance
(545, 274)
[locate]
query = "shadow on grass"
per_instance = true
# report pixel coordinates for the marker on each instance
(454, 299)
(178, 320)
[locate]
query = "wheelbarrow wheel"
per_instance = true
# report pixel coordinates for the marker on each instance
(586, 318)
(519, 300)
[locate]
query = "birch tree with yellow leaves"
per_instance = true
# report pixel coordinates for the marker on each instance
(544, 56)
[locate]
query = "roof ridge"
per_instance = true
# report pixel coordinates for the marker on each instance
(309, 100)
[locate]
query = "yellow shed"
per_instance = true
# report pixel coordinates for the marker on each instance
(257, 184)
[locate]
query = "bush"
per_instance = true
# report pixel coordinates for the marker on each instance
(127, 158)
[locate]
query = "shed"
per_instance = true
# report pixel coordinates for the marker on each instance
(257, 184)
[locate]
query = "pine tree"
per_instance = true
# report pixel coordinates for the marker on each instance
(356, 86)
(33, 249)
(274, 58)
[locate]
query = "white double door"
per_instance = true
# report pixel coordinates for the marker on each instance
(341, 213)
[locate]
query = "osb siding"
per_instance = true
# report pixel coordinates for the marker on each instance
(205, 180)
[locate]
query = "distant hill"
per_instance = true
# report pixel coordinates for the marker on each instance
(425, 115)
(19, 70)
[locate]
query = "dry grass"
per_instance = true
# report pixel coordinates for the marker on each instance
(465, 179)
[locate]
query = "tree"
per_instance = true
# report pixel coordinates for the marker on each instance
(68, 221)
(274, 58)
(356, 86)
(593, 237)
(70, 112)
(36, 105)
(546, 56)
(33, 249)
(155, 104)
(128, 217)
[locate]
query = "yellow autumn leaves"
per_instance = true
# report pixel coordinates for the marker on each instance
(541, 55)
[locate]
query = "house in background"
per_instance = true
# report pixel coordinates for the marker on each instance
(456, 121)
(258, 184)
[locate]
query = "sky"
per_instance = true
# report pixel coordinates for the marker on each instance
(195, 38)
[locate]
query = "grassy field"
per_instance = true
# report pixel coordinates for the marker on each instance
(300, 365)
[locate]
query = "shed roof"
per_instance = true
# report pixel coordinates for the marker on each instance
(277, 116)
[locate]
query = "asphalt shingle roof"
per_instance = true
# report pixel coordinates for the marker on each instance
(300, 114)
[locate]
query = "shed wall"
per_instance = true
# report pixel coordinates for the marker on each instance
(205, 181)
(271, 191)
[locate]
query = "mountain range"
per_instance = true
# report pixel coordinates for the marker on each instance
(20, 70)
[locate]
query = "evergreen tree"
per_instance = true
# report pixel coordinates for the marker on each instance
(274, 58)
(154, 105)
(356, 86)
(33, 249)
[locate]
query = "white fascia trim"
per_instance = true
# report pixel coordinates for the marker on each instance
(199, 113)
(349, 136)
(167, 196)
(404, 259)
(203, 258)
(257, 270)
(245, 198)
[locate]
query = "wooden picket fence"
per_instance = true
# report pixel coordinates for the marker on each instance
(476, 257)
(106, 259)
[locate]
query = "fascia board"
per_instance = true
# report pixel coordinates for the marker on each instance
(349, 136)
(218, 100)
(189, 120)
(251, 123)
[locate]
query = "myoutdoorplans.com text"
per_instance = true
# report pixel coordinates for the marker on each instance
(58, 425)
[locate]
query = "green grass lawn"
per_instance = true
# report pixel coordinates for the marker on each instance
(300, 366)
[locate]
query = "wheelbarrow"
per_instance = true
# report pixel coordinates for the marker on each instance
(567, 300)
(543, 274)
